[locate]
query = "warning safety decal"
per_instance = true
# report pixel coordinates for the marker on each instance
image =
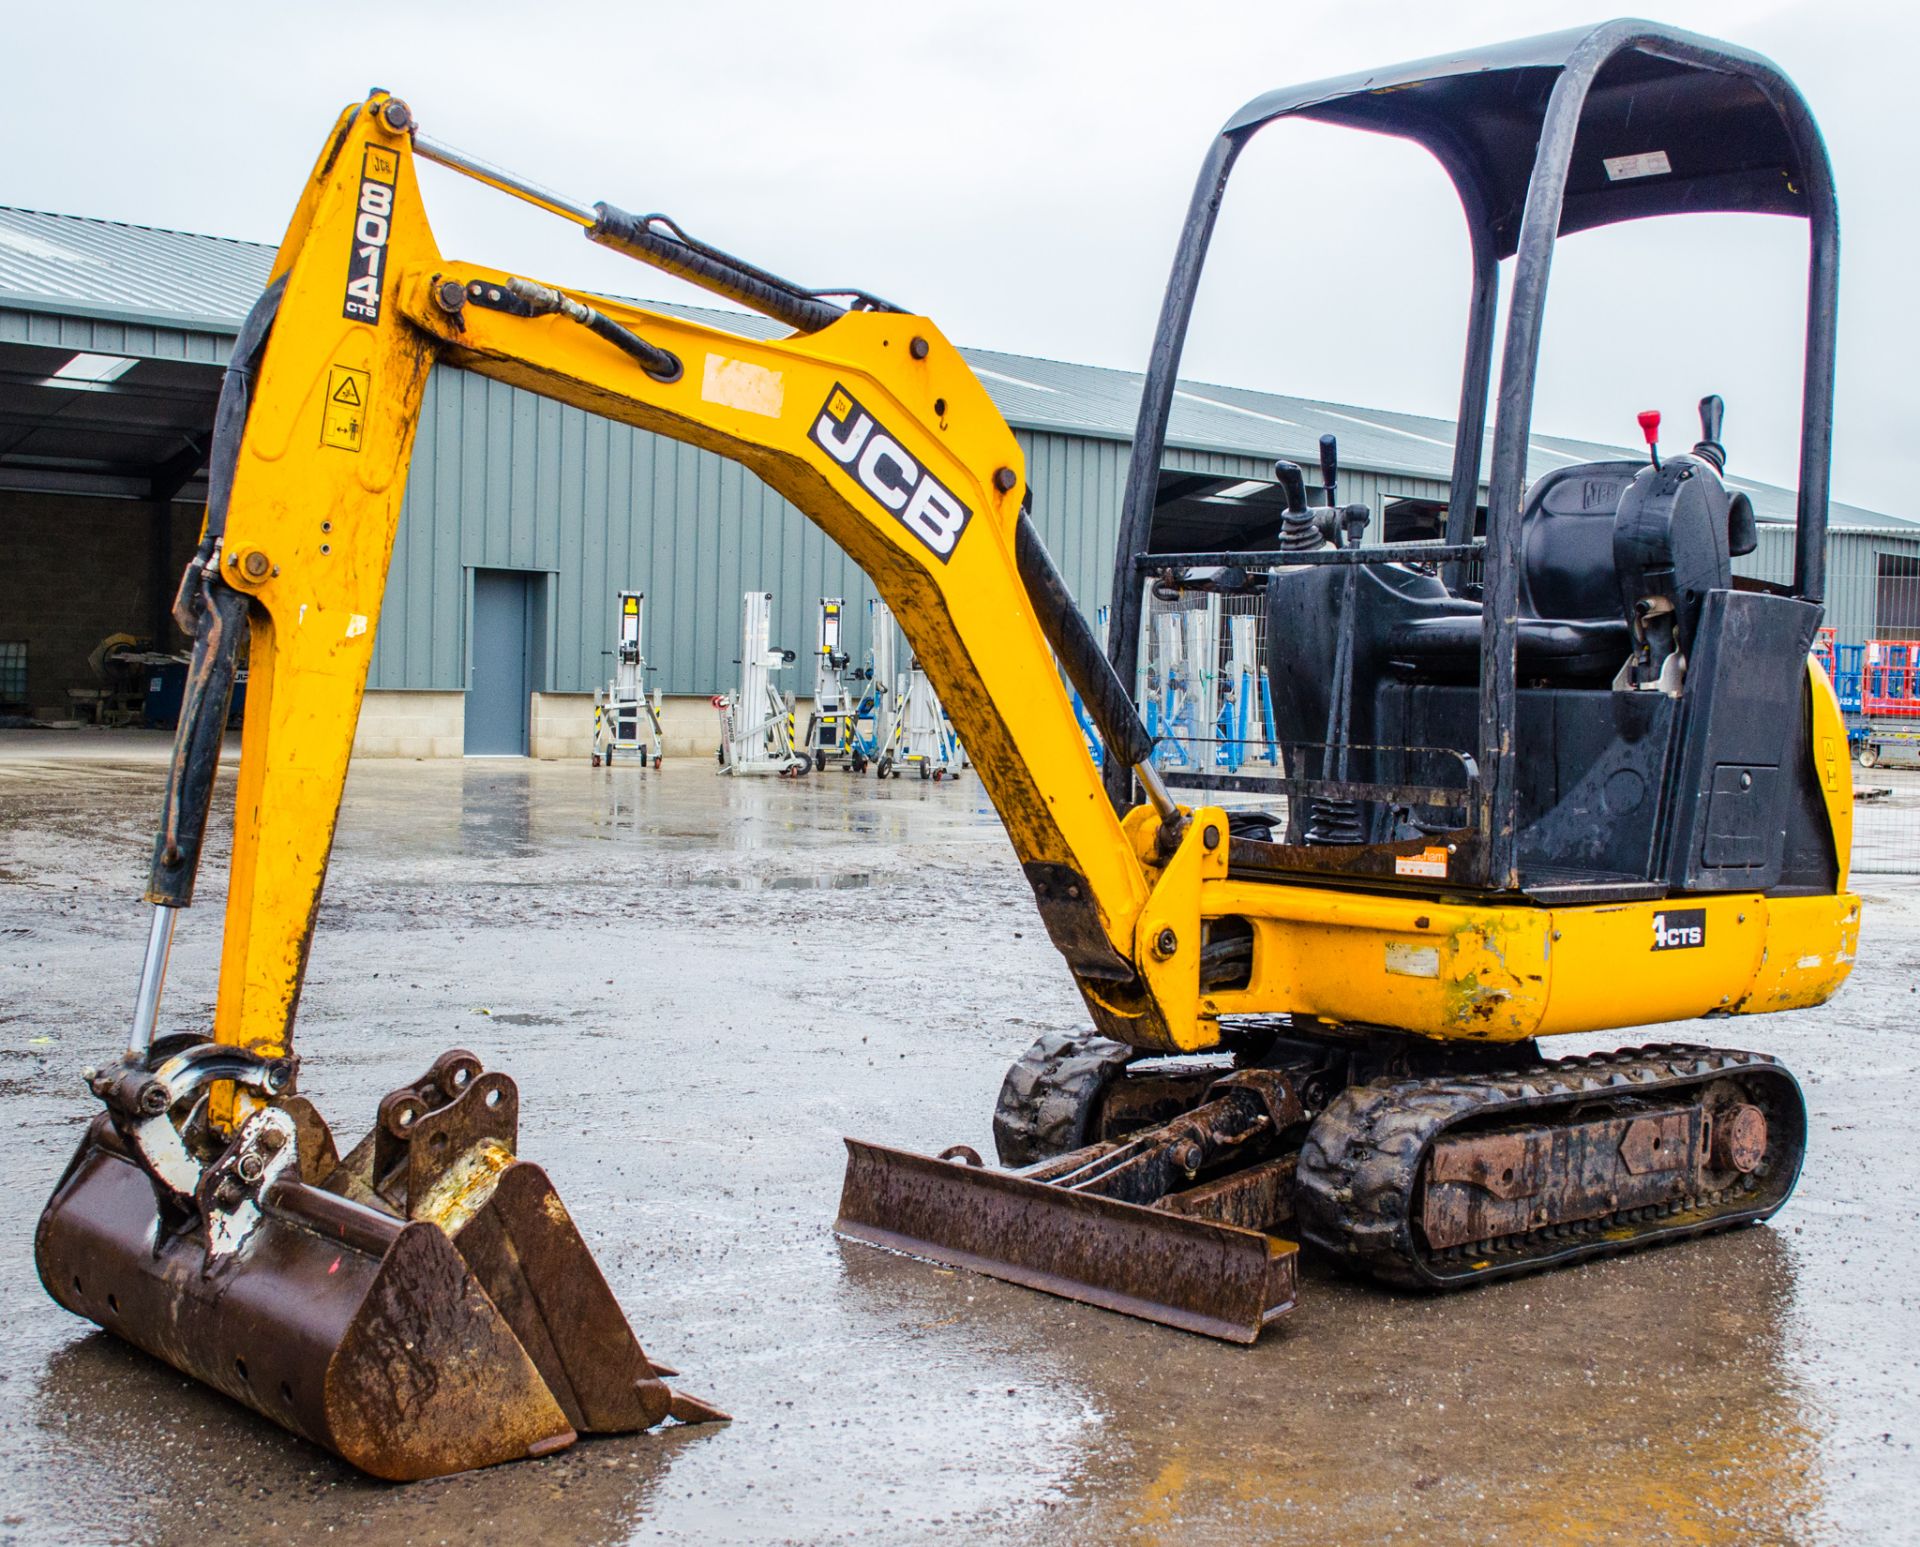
(372, 224)
(344, 415)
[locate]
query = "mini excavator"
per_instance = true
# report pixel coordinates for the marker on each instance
(1564, 776)
(1559, 771)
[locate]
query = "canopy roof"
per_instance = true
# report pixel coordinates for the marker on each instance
(1674, 123)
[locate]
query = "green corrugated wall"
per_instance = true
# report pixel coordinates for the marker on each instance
(502, 479)
(1853, 573)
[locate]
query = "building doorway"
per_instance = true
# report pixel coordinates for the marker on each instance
(500, 679)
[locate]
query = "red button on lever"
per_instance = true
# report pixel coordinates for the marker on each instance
(1650, 425)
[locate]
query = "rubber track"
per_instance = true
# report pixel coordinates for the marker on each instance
(1360, 1165)
(1048, 1096)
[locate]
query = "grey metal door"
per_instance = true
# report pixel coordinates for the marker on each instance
(497, 693)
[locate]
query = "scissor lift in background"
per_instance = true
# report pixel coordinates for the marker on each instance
(920, 737)
(1887, 724)
(873, 711)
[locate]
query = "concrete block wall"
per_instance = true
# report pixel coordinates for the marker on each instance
(411, 725)
(560, 725)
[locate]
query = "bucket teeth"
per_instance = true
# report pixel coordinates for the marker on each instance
(425, 1306)
(524, 1248)
(686, 1409)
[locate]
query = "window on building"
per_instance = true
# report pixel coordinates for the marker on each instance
(1896, 611)
(13, 671)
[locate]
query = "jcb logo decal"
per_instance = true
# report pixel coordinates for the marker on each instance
(882, 466)
(372, 224)
(1679, 929)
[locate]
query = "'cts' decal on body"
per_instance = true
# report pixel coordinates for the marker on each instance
(1680, 929)
(372, 224)
(884, 468)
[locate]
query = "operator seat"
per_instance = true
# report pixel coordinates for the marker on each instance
(1572, 627)
(1616, 561)
(1409, 628)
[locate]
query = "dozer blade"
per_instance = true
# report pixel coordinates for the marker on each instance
(1194, 1274)
(425, 1306)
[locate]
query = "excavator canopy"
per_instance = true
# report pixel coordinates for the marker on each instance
(1672, 124)
(1542, 138)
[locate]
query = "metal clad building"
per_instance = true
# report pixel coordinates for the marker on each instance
(505, 481)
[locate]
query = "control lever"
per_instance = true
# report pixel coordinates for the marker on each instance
(1341, 529)
(1299, 532)
(1743, 527)
(1650, 427)
(1743, 530)
(1305, 527)
(1708, 447)
(1293, 484)
(1344, 525)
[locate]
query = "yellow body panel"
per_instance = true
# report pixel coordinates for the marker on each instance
(1506, 973)
(1167, 938)
(316, 500)
(1832, 764)
(1811, 944)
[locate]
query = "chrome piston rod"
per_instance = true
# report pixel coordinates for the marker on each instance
(455, 160)
(153, 977)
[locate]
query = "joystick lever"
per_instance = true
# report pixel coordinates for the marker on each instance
(1293, 483)
(1708, 447)
(1299, 531)
(1330, 468)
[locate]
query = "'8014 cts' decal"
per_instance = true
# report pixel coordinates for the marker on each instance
(372, 225)
(883, 467)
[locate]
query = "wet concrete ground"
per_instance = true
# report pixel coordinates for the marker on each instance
(701, 985)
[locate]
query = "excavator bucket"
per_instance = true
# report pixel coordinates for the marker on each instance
(424, 1305)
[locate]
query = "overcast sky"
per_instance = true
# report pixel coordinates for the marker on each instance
(1018, 172)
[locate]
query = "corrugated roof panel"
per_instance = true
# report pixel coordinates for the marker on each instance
(101, 268)
(105, 269)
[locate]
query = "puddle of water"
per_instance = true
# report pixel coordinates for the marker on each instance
(849, 882)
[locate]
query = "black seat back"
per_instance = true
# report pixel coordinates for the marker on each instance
(1566, 542)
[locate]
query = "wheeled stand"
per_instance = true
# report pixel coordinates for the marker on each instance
(756, 722)
(625, 719)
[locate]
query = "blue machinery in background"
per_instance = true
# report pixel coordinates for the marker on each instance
(1245, 721)
(1849, 670)
(1199, 715)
